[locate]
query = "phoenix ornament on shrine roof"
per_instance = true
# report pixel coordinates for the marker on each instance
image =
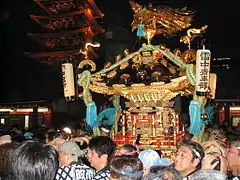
(166, 21)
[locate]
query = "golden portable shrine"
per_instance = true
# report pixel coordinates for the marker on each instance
(149, 109)
(149, 79)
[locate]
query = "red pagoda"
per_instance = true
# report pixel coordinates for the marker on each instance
(68, 25)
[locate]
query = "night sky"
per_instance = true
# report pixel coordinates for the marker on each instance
(23, 79)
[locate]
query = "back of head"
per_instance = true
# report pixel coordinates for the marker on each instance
(62, 135)
(34, 161)
(50, 136)
(6, 151)
(39, 136)
(208, 174)
(163, 173)
(126, 167)
(128, 149)
(102, 145)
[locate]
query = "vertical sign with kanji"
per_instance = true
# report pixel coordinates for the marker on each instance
(202, 71)
(68, 80)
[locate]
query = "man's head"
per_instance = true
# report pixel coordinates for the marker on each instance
(233, 158)
(34, 161)
(69, 152)
(6, 151)
(126, 167)
(57, 138)
(128, 149)
(188, 157)
(151, 158)
(101, 149)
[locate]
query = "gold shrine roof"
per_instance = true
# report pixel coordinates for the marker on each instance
(156, 91)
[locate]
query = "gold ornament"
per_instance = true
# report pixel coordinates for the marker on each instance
(157, 55)
(182, 72)
(107, 65)
(124, 65)
(204, 116)
(164, 62)
(177, 52)
(126, 52)
(118, 57)
(136, 66)
(87, 62)
(111, 74)
(191, 34)
(172, 70)
(151, 65)
(142, 74)
(189, 56)
(166, 21)
(125, 78)
(85, 51)
(156, 75)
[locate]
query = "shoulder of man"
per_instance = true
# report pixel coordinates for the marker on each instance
(234, 178)
(64, 172)
(83, 171)
(75, 172)
(103, 174)
(230, 176)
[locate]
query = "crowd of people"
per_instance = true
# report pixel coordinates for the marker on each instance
(59, 155)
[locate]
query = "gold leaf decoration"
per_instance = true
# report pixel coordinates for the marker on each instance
(164, 62)
(124, 65)
(107, 65)
(111, 74)
(163, 21)
(87, 62)
(189, 55)
(156, 75)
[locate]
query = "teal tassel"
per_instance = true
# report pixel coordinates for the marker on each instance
(108, 113)
(210, 112)
(140, 31)
(91, 114)
(195, 117)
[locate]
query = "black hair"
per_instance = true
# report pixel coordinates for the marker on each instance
(6, 151)
(51, 135)
(196, 149)
(161, 172)
(39, 136)
(34, 161)
(129, 147)
(63, 135)
(126, 167)
(102, 145)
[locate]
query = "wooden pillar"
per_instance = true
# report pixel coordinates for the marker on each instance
(227, 114)
(34, 119)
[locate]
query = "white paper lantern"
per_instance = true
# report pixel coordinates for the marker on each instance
(68, 80)
(202, 71)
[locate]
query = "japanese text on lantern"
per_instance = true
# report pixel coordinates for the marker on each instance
(68, 79)
(202, 70)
